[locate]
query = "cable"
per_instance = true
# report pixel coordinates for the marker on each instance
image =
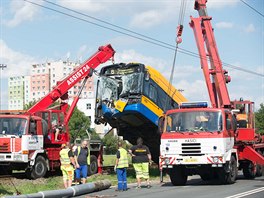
(252, 8)
(151, 40)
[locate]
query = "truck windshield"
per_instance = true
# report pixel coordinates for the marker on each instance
(197, 121)
(13, 126)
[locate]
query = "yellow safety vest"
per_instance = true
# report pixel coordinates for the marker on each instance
(88, 157)
(123, 160)
(64, 157)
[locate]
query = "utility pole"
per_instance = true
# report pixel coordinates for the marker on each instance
(2, 66)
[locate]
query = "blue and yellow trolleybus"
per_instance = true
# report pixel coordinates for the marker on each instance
(131, 98)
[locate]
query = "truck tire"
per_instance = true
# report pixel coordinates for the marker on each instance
(178, 176)
(249, 170)
(207, 176)
(93, 168)
(229, 176)
(38, 170)
(259, 170)
(5, 170)
(259, 167)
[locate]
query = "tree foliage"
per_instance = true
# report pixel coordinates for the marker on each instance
(79, 125)
(110, 143)
(29, 105)
(259, 116)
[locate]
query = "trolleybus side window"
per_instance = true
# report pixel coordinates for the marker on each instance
(153, 93)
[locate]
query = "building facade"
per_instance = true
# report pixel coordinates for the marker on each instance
(16, 93)
(42, 79)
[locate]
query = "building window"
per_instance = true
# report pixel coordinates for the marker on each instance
(88, 106)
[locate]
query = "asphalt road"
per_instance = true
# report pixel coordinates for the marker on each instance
(195, 188)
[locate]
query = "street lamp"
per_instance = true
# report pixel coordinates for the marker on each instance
(2, 66)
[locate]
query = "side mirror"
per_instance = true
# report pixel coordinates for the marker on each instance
(90, 72)
(32, 128)
(147, 76)
(228, 124)
(161, 124)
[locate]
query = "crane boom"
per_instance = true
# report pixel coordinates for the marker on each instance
(215, 77)
(103, 54)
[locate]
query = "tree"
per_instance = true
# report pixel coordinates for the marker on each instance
(259, 117)
(29, 105)
(78, 125)
(110, 142)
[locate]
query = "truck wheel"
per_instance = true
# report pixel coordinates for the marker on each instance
(207, 176)
(259, 170)
(178, 176)
(93, 168)
(39, 169)
(249, 170)
(230, 176)
(259, 167)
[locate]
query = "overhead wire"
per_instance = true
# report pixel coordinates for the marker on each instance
(252, 8)
(139, 36)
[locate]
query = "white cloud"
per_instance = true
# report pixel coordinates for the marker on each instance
(250, 28)
(221, 3)
(148, 19)
(224, 25)
(17, 63)
(193, 91)
(21, 11)
(83, 5)
(128, 56)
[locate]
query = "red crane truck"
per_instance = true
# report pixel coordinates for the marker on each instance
(27, 138)
(213, 142)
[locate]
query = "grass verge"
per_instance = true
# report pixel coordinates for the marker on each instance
(54, 182)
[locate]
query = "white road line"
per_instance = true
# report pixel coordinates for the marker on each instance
(246, 193)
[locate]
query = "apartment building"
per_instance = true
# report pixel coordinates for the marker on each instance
(43, 77)
(16, 93)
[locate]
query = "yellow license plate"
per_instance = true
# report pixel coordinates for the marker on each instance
(120, 104)
(190, 160)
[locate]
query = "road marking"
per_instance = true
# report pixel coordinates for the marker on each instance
(246, 193)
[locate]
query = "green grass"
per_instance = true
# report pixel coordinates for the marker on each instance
(25, 186)
(109, 160)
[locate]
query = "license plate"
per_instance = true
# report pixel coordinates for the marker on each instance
(190, 160)
(120, 104)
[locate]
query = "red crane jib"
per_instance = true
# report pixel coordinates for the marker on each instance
(103, 54)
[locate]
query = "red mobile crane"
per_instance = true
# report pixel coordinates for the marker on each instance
(27, 138)
(212, 142)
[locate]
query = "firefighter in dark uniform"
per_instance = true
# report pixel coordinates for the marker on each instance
(141, 158)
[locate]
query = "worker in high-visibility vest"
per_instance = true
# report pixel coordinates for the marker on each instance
(67, 164)
(120, 167)
(82, 160)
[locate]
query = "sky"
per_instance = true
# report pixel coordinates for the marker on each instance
(32, 34)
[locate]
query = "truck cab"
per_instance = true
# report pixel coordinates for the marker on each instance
(196, 140)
